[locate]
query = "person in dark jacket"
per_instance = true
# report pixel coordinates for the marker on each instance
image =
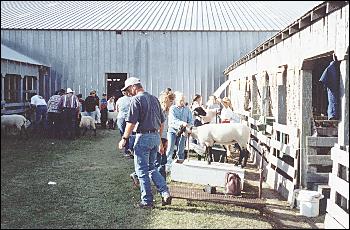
(91, 102)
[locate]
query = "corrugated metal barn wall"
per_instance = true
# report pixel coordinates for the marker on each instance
(191, 62)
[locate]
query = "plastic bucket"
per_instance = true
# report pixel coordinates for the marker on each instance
(309, 202)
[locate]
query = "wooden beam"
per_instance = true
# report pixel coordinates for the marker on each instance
(278, 38)
(304, 22)
(332, 6)
(319, 160)
(285, 34)
(319, 12)
(293, 29)
(321, 141)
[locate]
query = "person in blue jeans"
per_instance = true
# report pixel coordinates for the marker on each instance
(179, 116)
(166, 99)
(146, 110)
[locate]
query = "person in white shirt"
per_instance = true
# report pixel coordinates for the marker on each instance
(111, 108)
(227, 115)
(40, 105)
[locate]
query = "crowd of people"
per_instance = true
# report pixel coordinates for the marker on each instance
(60, 116)
(149, 126)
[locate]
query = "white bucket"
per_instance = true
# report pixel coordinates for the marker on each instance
(309, 202)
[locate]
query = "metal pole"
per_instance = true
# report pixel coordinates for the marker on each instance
(188, 147)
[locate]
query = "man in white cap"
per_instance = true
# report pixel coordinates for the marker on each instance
(69, 104)
(146, 110)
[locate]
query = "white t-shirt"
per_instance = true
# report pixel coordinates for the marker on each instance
(228, 114)
(37, 100)
(110, 105)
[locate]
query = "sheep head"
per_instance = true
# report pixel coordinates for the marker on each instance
(27, 123)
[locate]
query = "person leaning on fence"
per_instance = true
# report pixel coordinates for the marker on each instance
(69, 104)
(146, 110)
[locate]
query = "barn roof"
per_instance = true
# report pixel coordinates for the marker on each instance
(317, 13)
(10, 54)
(152, 15)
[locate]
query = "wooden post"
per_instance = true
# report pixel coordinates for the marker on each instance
(261, 173)
(305, 126)
(343, 128)
(188, 147)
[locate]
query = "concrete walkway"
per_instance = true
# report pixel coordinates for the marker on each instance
(277, 208)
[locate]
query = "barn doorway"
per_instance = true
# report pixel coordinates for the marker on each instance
(322, 124)
(115, 82)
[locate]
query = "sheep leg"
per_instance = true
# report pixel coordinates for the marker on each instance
(245, 157)
(85, 129)
(94, 132)
(209, 155)
(23, 129)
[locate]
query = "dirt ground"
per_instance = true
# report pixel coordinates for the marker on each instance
(84, 183)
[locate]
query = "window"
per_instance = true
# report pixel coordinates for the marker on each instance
(29, 87)
(12, 88)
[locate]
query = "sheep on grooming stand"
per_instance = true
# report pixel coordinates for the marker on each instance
(225, 134)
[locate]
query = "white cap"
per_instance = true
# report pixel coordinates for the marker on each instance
(69, 90)
(131, 81)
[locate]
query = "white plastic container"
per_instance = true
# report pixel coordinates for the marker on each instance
(309, 202)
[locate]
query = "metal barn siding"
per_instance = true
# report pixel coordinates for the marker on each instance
(191, 62)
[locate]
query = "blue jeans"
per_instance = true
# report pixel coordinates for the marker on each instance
(41, 114)
(121, 123)
(160, 164)
(170, 150)
(146, 147)
(91, 114)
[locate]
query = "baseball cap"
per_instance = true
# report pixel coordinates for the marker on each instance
(131, 81)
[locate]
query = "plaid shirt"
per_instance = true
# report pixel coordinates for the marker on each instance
(53, 104)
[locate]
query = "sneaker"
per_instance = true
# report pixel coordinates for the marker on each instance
(135, 180)
(179, 161)
(166, 200)
(145, 206)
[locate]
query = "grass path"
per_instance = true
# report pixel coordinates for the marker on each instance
(93, 190)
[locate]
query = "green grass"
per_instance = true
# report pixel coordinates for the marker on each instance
(93, 190)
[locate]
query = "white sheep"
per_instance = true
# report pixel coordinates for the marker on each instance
(112, 116)
(15, 120)
(87, 122)
(225, 134)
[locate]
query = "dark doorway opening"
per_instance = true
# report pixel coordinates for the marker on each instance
(115, 82)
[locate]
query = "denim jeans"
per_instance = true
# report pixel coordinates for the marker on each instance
(121, 123)
(91, 114)
(170, 150)
(146, 148)
(41, 114)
